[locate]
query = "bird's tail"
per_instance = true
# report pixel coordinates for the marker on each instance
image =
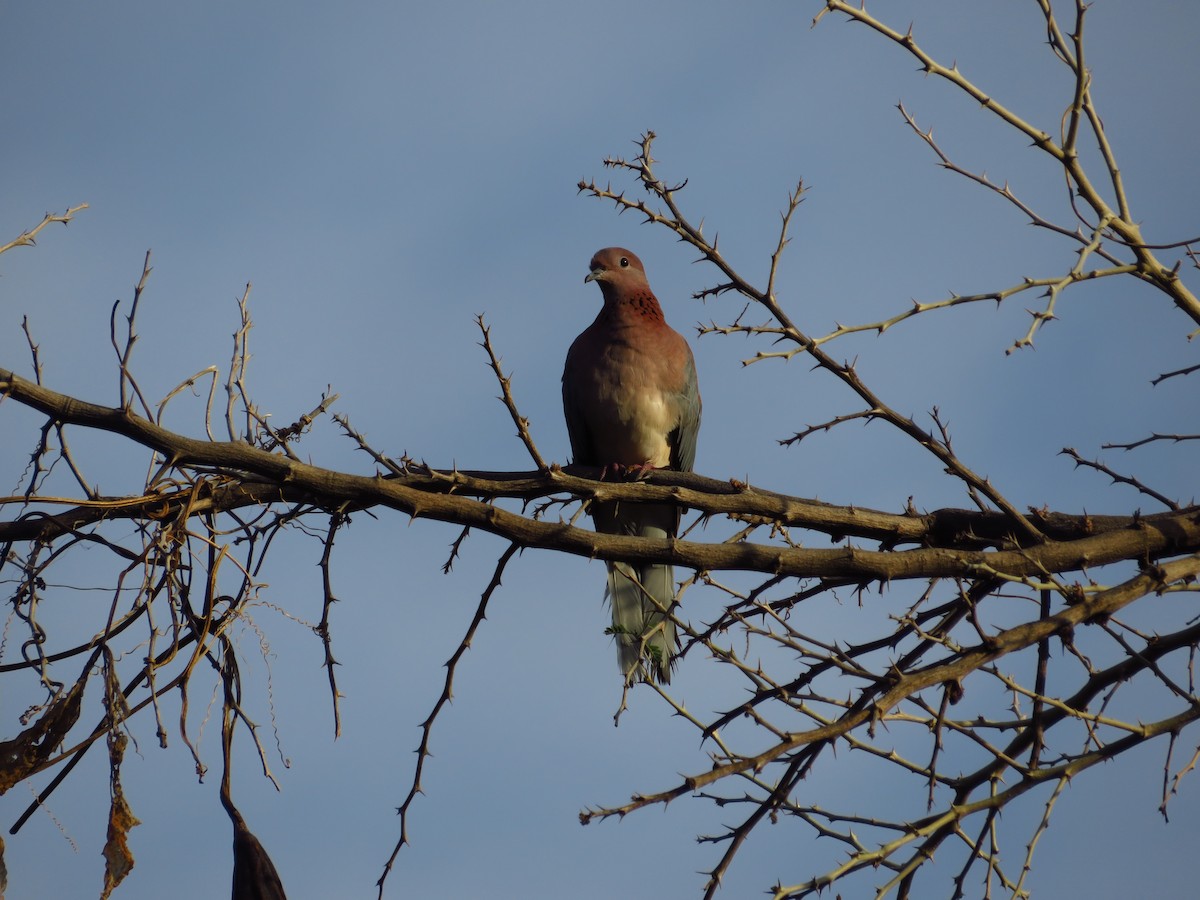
(641, 598)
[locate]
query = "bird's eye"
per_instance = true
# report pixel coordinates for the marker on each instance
(624, 262)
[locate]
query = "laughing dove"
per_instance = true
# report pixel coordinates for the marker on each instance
(631, 402)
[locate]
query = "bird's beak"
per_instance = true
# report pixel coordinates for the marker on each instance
(594, 274)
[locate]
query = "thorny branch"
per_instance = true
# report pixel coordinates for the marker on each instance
(947, 644)
(184, 575)
(1029, 644)
(506, 396)
(423, 750)
(1081, 120)
(29, 238)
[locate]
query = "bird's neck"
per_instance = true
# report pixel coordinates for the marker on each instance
(632, 307)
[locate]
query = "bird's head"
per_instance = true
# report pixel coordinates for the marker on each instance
(615, 266)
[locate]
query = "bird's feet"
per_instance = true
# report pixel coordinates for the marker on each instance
(623, 472)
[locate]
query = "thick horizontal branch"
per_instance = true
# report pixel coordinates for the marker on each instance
(946, 528)
(257, 476)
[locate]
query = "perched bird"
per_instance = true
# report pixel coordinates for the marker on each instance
(631, 403)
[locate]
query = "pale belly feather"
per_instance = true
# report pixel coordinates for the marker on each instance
(632, 419)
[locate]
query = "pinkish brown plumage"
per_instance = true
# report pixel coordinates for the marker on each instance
(631, 401)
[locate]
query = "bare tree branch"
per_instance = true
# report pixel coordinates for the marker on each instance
(1004, 651)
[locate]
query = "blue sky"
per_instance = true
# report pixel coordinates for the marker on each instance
(383, 172)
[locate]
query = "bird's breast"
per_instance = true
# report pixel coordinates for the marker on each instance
(630, 415)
